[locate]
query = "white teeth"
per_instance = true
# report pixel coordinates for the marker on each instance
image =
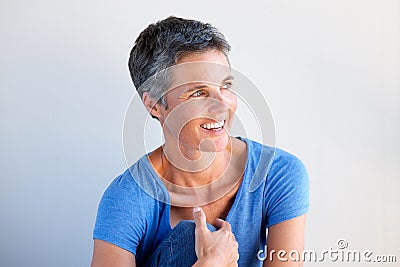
(212, 125)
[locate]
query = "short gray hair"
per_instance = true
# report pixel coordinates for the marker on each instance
(162, 44)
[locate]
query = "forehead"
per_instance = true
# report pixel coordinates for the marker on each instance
(209, 56)
(208, 67)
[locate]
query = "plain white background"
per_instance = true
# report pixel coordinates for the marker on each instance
(330, 71)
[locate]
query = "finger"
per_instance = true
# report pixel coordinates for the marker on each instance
(199, 218)
(218, 223)
(234, 255)
(223, 225)
(234, 250)
(237, 256)
(233, 259)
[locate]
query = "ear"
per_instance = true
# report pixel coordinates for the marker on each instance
(151, 105)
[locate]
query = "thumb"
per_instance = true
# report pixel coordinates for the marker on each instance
(199, 218)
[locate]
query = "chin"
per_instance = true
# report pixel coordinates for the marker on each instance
(214, 144)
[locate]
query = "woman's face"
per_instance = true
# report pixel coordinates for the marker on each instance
(201, 103)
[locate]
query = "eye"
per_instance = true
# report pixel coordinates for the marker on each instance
(227, 85)
(198, 93)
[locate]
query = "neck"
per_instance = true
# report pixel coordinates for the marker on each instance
(191, 167)
(190, 189)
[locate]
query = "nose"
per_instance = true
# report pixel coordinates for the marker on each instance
(217, 101)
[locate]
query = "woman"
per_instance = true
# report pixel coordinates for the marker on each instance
(189, 202)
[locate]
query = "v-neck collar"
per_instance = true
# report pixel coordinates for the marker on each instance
(237, 196)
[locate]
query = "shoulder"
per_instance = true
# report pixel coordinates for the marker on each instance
(259, 156)
(131, 188)
(125, 212)
(123, 184)
(123, 198)
(278, 156)
(287, 171)
(268, 160)
(139, 179)
(284, 160)
(127, 197)
(287, 188)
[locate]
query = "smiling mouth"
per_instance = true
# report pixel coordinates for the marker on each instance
(216, 126)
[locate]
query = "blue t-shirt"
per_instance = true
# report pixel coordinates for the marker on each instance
(134, 213)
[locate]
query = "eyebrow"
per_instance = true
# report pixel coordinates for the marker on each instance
(201, 86)
(229, 77)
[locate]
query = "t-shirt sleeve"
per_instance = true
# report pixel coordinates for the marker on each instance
(286, 192)
(119, 220)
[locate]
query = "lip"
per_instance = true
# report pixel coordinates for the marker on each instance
(214, 131)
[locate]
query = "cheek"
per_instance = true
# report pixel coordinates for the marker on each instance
(180, 118)
(190, 128)
(232, 102)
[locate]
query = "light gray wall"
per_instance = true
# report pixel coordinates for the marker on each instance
(329, 69)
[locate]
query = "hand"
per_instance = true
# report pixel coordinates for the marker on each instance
(217, 248)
